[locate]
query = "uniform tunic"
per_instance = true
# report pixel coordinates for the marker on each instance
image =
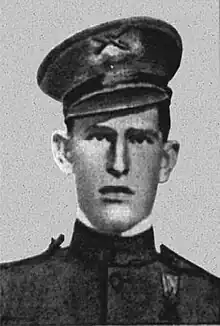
(105, 279)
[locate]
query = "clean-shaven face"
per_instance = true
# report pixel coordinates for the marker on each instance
(116, 166)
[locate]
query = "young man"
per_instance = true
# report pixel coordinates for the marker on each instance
(113, 82)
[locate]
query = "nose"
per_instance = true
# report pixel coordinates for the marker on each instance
(118, 161)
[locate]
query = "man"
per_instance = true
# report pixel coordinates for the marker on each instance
(113, 82)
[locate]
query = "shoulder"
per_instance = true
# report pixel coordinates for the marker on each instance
(53, 255)
(193, 279)
(195, 291)
(182, 265)
(29, 280)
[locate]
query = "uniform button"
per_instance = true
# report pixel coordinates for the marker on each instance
(112, 254)
(107, 255)
(116, 281)
(140, 241)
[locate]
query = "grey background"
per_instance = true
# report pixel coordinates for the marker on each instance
(37, 201)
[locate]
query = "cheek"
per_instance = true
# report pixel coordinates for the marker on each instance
(145, 173)
(89, 169)
(145, 161)
(90, 156)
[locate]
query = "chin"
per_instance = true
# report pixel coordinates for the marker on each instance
(116, 220)
(116, 227)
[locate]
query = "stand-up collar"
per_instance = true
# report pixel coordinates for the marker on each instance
(91, 246)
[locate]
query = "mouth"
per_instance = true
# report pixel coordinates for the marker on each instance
(115, 194)
(108, 200)
(116, 190)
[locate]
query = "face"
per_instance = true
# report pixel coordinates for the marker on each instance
(116, 162)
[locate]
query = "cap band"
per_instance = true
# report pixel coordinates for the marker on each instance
(128, 97)
(98, 84)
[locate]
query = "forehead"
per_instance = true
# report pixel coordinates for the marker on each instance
(141, 119)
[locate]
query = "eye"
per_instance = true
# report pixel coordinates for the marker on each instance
(99, 136)
(149, 140)
(136, 139)
(140, 138)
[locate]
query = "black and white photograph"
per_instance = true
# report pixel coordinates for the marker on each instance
(110, 210)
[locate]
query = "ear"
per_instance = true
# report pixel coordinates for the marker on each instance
(62, 151)
(168, 160)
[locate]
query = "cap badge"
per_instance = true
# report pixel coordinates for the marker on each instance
(114, 48)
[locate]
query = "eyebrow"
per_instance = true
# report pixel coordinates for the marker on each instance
(131, 130)
(150, 131)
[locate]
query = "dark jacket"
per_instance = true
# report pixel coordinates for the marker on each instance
(103, 279)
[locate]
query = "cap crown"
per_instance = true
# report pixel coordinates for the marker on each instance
(131, 52)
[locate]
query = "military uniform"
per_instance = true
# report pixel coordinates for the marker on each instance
(100, 278)
(104, 279)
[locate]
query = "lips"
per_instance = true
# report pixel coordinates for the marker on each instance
(116, 190)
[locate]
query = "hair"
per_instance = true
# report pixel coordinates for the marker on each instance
(164, 119)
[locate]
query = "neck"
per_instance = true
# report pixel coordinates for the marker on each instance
(138, 228)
